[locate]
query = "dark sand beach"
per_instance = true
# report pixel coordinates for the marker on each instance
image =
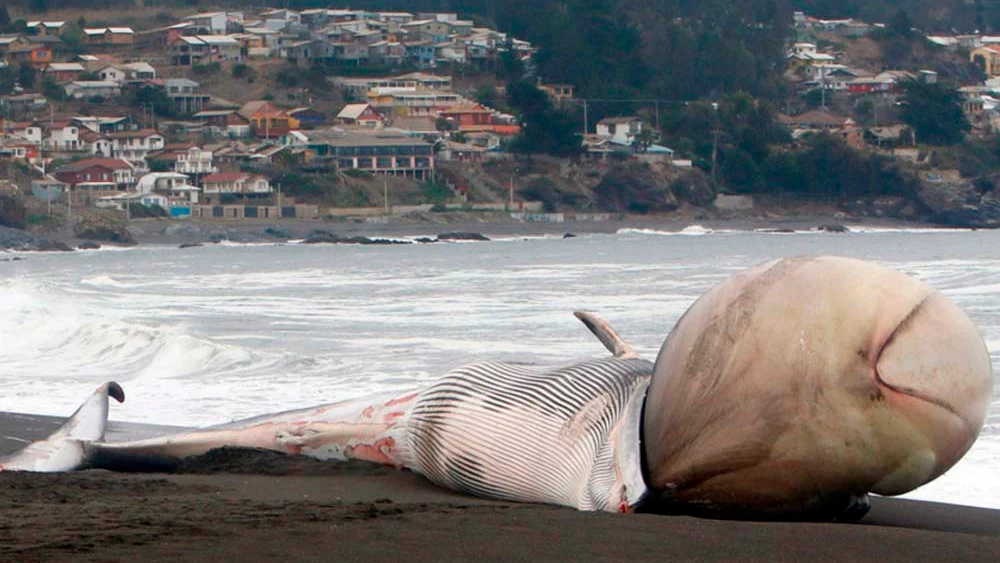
(247, 506)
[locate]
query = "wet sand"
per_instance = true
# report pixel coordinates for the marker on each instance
(249, 506)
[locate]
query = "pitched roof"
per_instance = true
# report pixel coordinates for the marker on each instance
(224, 177)
(110, 163)
(814, 117)
(137, 134)
(352, 111)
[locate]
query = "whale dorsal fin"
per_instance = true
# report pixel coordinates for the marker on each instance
(607, 335)
(64, 449)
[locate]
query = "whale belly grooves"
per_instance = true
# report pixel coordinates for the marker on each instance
(535, 433)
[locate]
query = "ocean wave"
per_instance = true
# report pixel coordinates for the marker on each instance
(690, 230)
(48, 335)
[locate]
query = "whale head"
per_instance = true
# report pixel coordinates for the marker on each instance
(793, 389)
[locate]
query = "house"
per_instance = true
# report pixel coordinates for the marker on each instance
(8, 42)
(558, 92)
(48, 188)
(397, 155)
(427, 30)
(387, 53)
(226, 122)
(175, 186)
(103, 125)
(988, 58)
(63, 136)
(109, 35)
(134, 146)
(307, 53)
(45, 29)
(185, 94)
(123, 201)
(475, 117)
(886, 82)
(112, 74)
(461, 152)
(421, 53)
(620, 130)
(24, 103)
(308, 117)
(93, 88)
(266, 120)
(213, 23)
(813, 119)
(411, 101)
(485, 139)
(97, 173)
(363, 115)
(63, 72)
(123, 73)
(139, 71)
(38, 56)
(358, 88)
(202, 49)
(186, 158)
(235, 183)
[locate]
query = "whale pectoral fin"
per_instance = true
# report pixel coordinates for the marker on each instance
(64, 449)
(607, 335)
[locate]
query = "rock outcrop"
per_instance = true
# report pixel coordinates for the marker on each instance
(12, 211)
(16, 239)
(635, 187)
(103, 229)
(958, 203)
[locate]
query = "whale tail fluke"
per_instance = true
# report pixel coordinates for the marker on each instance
(65, 449)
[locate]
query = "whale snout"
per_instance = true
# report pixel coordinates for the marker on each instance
(936, 375)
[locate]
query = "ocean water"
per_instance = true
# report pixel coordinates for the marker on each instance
(205, 335)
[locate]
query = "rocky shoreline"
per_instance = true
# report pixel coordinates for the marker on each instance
(402, 229)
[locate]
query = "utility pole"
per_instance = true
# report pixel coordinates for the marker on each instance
(715, 150)
(585, 124)
(385, 192)
(510, 190)
(822, 87)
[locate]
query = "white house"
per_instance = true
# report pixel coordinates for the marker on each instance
(112, 74)
(175, 186)
(194, 160)
(63, 136)
(134, 146)
(213, 22)
(89, 88)
(620, 130)
(235, 183)
(119, 201)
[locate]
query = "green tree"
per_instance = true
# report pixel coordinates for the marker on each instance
(26, 75)
(544, 128)
(4, 18)
(934, 111)
(900, 24)
(52, 90)
(7, 80)
(155, 98)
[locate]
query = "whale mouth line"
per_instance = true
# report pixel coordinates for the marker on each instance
(915, 393)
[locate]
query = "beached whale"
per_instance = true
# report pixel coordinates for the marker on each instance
(791, 391)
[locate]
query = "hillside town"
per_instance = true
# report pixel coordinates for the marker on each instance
(114, 117)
